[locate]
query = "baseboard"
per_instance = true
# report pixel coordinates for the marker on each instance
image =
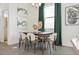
(13, 43)
(67, 45)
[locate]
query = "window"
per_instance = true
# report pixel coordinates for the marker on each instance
(49, 16)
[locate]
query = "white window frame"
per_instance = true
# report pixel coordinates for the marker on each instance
(48, 5)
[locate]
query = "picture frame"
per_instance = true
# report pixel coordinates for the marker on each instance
(22, 18)
(72, 15)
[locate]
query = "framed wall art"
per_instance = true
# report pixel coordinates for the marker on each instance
(22, 18)
(72, 15)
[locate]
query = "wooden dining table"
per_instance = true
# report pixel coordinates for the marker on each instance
(42, 37)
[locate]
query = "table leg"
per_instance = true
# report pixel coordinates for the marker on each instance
(42, 47)
(34, 47)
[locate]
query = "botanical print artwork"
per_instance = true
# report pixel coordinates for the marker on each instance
(72, 15)
(22, 18)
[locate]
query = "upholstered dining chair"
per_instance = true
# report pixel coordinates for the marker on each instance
(31, 41)
(52, 41)
(22, 39)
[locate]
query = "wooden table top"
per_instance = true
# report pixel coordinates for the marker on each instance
(39, 33)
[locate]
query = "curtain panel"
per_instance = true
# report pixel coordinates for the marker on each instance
(57, 27)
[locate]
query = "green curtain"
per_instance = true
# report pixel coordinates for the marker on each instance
(57, 26)
(41, 16)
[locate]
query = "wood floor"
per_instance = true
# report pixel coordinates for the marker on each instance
(15, 50)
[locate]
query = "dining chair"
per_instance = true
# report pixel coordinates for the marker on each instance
(31, 41)
(52, 41)
(22, 39)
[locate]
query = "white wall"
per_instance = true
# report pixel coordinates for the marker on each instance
(1, 27)
(13, 32)
(12, 24)
(70, 31)
(32, 16)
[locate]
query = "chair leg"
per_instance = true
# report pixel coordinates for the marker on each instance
(54, 46)
(34, 48)
(26, 44)
(19, 42)
(30, 44)
(42, 48)
(49, 46)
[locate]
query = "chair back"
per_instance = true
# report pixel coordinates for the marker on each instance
(53, 36)
(23, 36)
(30, 36)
